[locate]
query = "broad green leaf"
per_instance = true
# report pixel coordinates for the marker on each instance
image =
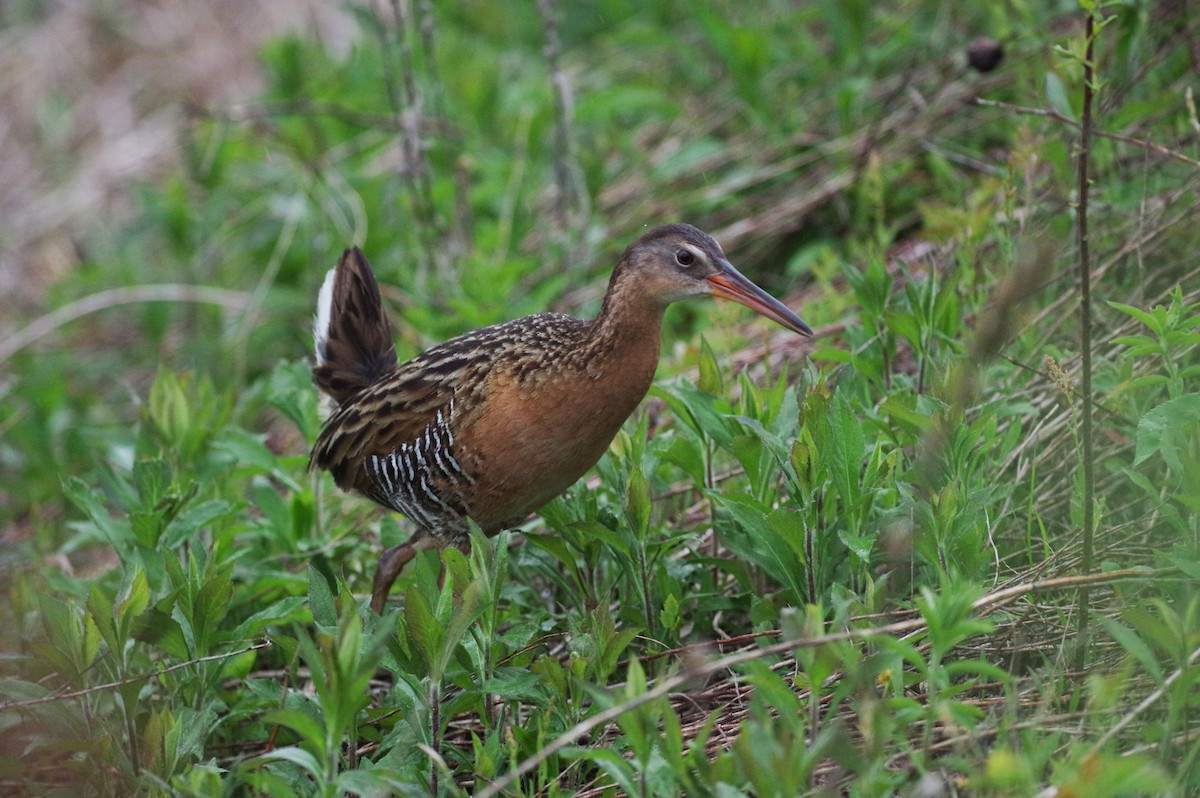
(1169, 429)
(152, 478)
(365, 782)
(296, 756)
(423, 629)
(100, 611)
(608, 760)
(133, 598)
(669, 615)
(843, 442)
(186, 738)
(147, 527)
(637, 506)
(91, 502)
(311, 730)
(210, 607)
(320, 598)
(514, 684)
(184, 526)
(749, 450)
(1056, 95)
(1134, 645)
(160, 629)
(707, 414)
(154, 736)
(614, 647)
(1141, 315)
(711, 380)
(250, 451)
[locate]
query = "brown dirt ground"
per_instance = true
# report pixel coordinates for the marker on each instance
(91, 98)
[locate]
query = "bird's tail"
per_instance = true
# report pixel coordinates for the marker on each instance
(353, 337)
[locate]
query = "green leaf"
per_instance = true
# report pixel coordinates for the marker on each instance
(600, 532)
(687, 452)
(71, 639)
(1169, 429)
(292, 394)
(159, 629)
(209, 608)
(771, 540)
(614, 648)
(296, 756)
(637, 723)
(91, 502)
(1134, 645)
(350, 639)
(749, 450)
(287, 609)
(859, 545)
(133, 599)
(514, 684)
(1141, 315)
(185, 740)
(772, 687)
(669, 615)
(168, 409)
(462, 615)
(423, 629)
(250, 451)
(637, 505)
(100, 610)
(711, 380)
(147, 527)
(184, 526)
(154, 734)
(902, 409)
(19, 690)
(705, 413)
(1056, 95)
(608, 760)
(152, 478)
(366, 782)
(843, 441)
(320, 598)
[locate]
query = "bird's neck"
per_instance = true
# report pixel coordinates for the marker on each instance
(629, 319)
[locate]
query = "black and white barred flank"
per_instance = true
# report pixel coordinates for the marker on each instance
(408, 479)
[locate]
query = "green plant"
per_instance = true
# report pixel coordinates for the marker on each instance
(854, 568)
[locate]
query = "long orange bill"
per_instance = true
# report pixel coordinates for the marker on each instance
(729, 283)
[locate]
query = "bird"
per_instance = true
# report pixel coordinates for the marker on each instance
(491, 425)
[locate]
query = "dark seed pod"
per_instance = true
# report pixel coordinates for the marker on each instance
(984, 54)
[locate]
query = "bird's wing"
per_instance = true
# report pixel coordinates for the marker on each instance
(421, 406)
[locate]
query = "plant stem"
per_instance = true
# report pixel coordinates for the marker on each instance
(644, 566)
(135, 755)
(435, 739)
(1085, 332)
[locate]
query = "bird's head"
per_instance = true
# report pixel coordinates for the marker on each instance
(678, 261)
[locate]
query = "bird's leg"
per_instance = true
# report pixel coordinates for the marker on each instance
(391, 563)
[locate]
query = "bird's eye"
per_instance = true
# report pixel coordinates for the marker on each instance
(684, 257)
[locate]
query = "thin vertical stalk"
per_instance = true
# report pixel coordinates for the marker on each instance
(644, 567)
(408, 107)
(710, 486)
(135, 755)
(1085, 331)
(435, 725)
(558, 81)
(570, 206)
